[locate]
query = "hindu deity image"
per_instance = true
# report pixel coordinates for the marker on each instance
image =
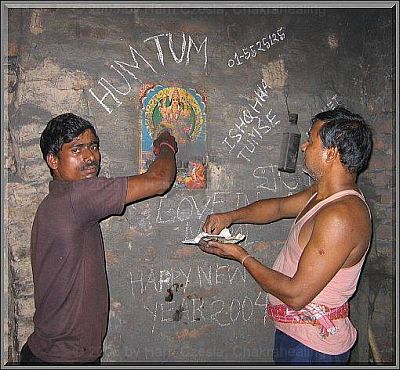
(177, 117)
(182, 112)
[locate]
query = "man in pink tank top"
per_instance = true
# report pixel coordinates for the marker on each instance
(317, 270)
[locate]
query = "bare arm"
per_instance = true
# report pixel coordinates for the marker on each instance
(260, 212)
(335, 236)
(160, 175)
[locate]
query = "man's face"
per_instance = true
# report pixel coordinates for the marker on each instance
(313, 152)
(78, 159)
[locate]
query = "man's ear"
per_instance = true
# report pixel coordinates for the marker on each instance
(52, 161)
(332, 154)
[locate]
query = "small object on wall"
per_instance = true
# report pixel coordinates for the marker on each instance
(290, 145)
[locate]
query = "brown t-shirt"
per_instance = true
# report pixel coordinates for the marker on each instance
(69, 271)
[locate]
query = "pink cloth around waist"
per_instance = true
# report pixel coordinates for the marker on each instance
(313, 314)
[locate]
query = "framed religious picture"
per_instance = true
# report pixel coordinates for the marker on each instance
(182, 112)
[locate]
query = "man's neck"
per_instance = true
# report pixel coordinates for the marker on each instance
(328, 185)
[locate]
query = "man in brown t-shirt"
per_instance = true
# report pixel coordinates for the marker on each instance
(67, 252)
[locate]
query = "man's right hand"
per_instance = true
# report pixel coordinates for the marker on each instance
(216, 222)
(168, 140)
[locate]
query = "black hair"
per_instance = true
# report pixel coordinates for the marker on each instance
(349, 133)
(62, 129)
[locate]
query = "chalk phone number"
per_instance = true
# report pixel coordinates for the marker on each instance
(263, 45)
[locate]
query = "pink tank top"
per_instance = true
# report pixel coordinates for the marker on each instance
(335, 294)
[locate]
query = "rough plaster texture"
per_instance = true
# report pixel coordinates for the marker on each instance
(170, 301)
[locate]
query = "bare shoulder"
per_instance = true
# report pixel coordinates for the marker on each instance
(347, 208)
(347, 222)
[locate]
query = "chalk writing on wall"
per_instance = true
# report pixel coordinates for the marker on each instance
(252, 127)
(160, 54)
(193, 308)
(190, 207)
(223, 312)
(262, 45)
(188, 213)
(333, 102)
(185, 213)
(158, 281)
(270, 178)
(109, 100)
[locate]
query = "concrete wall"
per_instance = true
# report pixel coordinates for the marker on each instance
(60, 60)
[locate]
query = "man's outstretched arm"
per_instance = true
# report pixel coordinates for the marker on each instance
(160, 175)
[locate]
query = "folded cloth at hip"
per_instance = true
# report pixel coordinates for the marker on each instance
(317, 315)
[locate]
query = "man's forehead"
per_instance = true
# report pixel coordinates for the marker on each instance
(86, 136)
